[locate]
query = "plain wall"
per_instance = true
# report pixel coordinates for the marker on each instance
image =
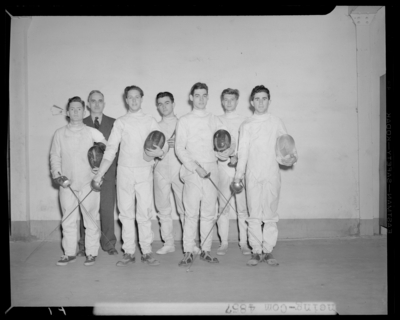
(19, 118)
(307, 62)
(378, 66)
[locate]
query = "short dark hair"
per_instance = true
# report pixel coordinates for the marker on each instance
(258, 89)
(94, 91)
(127, 89)
(164, 94)
(75, 99)
(230, 91)
(198, 85)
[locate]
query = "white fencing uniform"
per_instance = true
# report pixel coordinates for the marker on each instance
(194, 142)
(134, 177)
(226, 174)
(68, 155)
(166, 175)
(257, 140)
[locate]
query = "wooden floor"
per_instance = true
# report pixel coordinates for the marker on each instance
(350, 273)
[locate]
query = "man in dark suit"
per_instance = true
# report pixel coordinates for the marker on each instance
(104, 124)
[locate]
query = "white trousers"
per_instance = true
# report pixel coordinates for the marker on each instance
(262, 201)
(199, 193)
(226, 175)
(163, 184)
(90, 213)
(135, 183)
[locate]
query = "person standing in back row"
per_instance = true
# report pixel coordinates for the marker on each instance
(166, 175)
(226, 170)
(98, 120)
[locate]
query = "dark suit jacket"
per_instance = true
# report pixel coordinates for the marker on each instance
(105, 128)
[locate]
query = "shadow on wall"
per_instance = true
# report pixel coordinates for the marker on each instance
(285, 168)
(124, 102)
(189, 104)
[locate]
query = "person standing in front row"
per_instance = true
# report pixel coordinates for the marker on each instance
(68, 158)
(257, 161)
(134, 175)
(166, 174)
(232, 120)
(98, 120)
(194, 147)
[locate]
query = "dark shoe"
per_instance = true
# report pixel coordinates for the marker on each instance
(126, 258)
(187, 259)
(65, 260)
(112, 252)
(205, 256)
(148, 257)
(269, 258)
(90, 260)
(81, 253)
(255, 259)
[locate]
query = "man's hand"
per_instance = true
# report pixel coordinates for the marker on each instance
(225, 154)
(101, 145)
(289, 160)
(201, 172)
(97, 178)
(62, 181)
(234, 160)
(157, 152)
(171, 143)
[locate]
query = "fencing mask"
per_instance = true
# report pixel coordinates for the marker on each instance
(95, 154)
(222, 140)
(154, 138)
(285, 149)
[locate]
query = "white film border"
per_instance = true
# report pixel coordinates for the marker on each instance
(217, 308)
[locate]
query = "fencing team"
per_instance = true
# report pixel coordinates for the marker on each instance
(188, 164)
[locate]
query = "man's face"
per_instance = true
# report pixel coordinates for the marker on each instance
(199, 98)
(134, 100)
(260, 103)
(96, 103)
(165, 106)
(76, 111)
(230, 102)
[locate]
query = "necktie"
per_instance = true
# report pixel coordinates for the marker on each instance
(96, 123)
